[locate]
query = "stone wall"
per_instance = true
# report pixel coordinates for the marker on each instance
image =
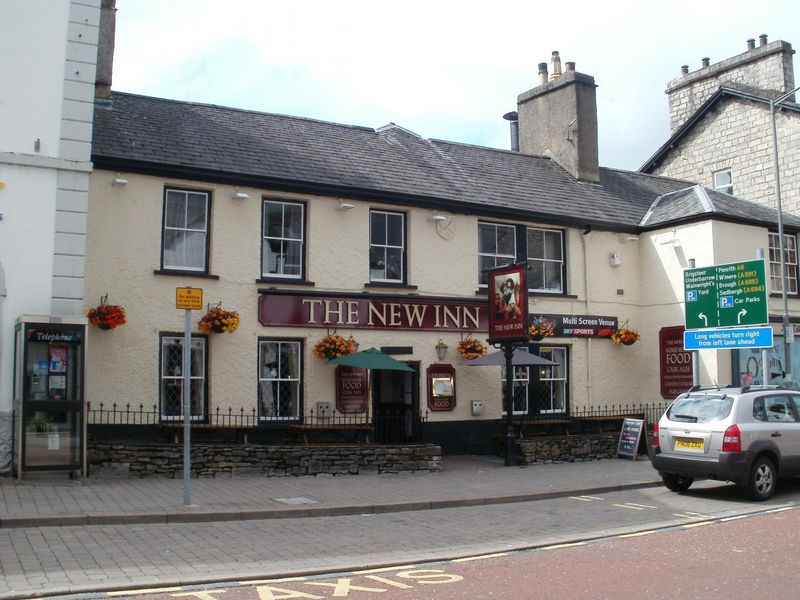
(567, 448)
(222, 460)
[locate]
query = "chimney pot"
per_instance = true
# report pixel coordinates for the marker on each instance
(684, 69)
(706, 61)
(570, 66)
(543, 73)
(751, 44)
(762, 39)
(556, 61)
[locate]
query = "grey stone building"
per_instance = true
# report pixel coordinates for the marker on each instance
(722, 130)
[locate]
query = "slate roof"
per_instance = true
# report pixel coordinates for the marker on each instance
(735, 91)
(218, 144)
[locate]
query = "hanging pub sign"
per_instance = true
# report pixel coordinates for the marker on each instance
(351, 389)
(508, 304)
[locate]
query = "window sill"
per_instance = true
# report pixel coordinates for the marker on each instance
(394, 286)
(780, 294)
(286, 281)
(185, 274)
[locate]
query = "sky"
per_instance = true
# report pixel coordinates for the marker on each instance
(443, 69)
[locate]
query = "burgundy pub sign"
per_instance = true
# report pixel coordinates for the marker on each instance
(359, 311)
(508, 304)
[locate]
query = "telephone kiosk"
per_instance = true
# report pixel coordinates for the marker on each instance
(49, 407)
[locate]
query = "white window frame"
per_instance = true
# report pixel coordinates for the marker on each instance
(267, 376)
(499, 259)
(557, 376)
(185, 229)
(534, 286)
(175, 379)
(790, 254)
(726, 187)
(387, 246)
(283, 239)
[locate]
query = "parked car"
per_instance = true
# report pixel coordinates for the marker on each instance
(747, 435)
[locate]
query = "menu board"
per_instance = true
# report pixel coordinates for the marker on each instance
(629, 437)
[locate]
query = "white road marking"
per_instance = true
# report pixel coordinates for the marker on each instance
(481, 557)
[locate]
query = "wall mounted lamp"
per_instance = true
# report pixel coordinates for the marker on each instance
(119, 181)
(627, 239)
(437, 218)
(345, 206)
(241, 196)
(441, 350)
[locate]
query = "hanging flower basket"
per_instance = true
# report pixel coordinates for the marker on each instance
(470, 348)
(106, 316)
(219, 320)
(334, 346)
(539, 331)
(625, 336)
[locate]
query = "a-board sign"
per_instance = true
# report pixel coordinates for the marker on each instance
(629, 437)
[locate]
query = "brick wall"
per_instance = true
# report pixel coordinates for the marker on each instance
(567, 448)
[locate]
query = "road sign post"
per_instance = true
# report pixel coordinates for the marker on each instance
(188, 299)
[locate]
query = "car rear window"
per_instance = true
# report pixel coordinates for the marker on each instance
(700, 409)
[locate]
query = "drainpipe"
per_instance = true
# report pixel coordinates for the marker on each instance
(587, 291)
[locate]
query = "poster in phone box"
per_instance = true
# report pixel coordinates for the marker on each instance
(508, 304)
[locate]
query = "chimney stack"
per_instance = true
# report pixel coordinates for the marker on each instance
(513, 121)
(105, 49)
(706, 61)
(684, 69)
(543, 73)
(762, 39)
(555, 60)
(751, 44)
(559, 119)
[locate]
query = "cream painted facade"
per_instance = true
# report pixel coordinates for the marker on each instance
(123, 363)
(124, 243)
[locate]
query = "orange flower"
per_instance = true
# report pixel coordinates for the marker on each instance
(469, 347)
(107, 316)
(334, 346)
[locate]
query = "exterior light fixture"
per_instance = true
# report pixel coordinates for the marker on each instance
(441, 350)
(241, 196)
(343, 206)
(119, 181)
(627, 239)
(437, 218)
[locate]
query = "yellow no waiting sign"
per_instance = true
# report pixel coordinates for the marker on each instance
(189, 298)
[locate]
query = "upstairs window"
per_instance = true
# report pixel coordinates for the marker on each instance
(282, 239)
(386, 247)
(545, 260)
(184, 245)
(723, 181)
(497, 246)
(790, 256)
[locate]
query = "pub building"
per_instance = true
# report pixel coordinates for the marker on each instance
(308, 229)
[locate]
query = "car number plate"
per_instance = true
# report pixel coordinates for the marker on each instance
(687, 444)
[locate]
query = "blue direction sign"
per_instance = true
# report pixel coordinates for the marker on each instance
(730, 295)
(728, 339)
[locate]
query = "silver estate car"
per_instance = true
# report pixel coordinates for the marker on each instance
(748, 435)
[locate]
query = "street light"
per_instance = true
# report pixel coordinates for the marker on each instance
(788, 332)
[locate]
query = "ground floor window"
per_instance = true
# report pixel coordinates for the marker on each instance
(279, 379)
(540, 389)
(553, 380)
(171, 378)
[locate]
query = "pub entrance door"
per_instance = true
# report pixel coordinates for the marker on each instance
(395, 405)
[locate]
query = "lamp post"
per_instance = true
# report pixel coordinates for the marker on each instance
(788, 332)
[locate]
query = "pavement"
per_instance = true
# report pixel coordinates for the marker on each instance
(29, 510)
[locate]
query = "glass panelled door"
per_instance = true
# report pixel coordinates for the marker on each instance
(52, 396)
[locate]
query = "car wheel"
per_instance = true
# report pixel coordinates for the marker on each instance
(676, 483)
(763, 478)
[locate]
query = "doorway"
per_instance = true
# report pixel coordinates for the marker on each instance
(395, 405)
